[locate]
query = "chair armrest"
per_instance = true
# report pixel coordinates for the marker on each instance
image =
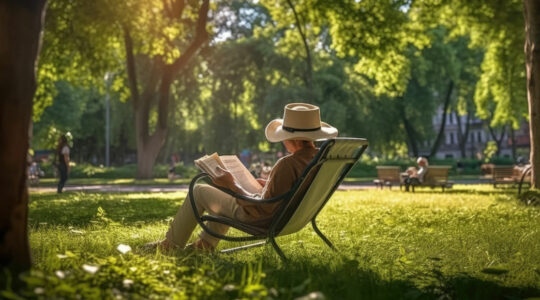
(235, 195)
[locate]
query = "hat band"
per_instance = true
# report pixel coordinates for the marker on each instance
(290, 129)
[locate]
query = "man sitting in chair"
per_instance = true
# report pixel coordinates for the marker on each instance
(416, 176)
(300, 126)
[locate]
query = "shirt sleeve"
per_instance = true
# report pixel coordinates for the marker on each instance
(65, 150)
(421, 173)
(279, 180)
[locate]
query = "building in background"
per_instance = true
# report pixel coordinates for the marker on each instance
(477, 139)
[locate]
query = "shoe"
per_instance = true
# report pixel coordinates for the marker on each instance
(162, 245)
(200, 245)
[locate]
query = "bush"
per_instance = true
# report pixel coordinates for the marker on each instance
(86, 170)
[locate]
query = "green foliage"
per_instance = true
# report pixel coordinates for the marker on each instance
(490, 150)
(472, 242)
(498, 28)
(372, 62)
(85, 170)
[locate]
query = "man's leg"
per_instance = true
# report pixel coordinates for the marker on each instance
(63, 178)
(207, 199)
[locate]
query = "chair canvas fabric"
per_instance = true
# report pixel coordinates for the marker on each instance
(339, 156)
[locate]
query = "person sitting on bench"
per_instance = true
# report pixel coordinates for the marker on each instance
(300, 126)
(416, 176)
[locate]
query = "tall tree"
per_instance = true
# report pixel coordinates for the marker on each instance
(20, 35)
(532, 48)
(158, 85)
(146, 43)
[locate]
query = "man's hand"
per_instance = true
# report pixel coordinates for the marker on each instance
(224, 179)
(262, 181)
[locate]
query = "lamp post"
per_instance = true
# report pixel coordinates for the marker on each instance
(108, 78)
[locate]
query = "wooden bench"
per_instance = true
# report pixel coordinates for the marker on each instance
(388, 176)
(436, 176)
(510, 175)
(504, 175)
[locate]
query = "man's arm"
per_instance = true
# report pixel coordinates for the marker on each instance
(226, 180)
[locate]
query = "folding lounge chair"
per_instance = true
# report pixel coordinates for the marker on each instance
(301, 204)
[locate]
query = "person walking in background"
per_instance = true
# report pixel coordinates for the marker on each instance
(62, 157)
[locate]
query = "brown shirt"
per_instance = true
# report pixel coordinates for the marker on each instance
(281, 179)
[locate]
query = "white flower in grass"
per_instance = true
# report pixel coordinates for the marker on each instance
(60, 274)
(90, 269)
(123, 248)
(61, 256)
(39, 291)
(133, 269)
(166, 272)
(127, 283)
(312, 296)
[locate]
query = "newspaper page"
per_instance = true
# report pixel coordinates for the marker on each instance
(241, 174)
(209, 163)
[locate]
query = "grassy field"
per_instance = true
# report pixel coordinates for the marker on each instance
(472, 242)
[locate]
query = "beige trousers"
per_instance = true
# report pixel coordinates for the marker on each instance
(207, 199)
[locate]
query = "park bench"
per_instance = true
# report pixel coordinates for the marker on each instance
(504, 175)
(388, 176)
(300, 205)
(436, 176)
(511, 175)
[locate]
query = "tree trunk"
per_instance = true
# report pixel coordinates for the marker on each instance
(532, 53)
(463, 134)
(513, 141)
(409, 130)
(498, 140)
(440, 135)
(158, 86)
(20, 35)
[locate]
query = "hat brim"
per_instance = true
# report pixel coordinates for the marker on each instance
(274, 132)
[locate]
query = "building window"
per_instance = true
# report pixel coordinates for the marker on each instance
(479, 136)
(451, 138)
(472, 137)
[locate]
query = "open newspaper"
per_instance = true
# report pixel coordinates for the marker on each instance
(231, 163)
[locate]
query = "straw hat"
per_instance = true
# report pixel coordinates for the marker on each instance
(301, 121)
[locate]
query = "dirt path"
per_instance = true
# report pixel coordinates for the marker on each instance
(109, 188)
(151, 188)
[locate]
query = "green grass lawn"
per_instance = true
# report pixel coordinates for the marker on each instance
(48, 182)
(473, 242)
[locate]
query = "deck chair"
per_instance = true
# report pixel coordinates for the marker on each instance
(300, 205)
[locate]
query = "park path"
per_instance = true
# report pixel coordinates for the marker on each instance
(109, 188)
(152, 188)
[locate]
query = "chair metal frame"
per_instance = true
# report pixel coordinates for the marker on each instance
(286, 209)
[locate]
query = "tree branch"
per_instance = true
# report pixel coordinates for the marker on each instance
(201, 35)
(309, 67)
(131, 68)
(175, 9)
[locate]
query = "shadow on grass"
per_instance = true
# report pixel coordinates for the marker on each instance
(79, 209)
(497, 191)
(344, 278)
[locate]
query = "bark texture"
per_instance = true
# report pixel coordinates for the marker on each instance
(531, 12)
(20, 34)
